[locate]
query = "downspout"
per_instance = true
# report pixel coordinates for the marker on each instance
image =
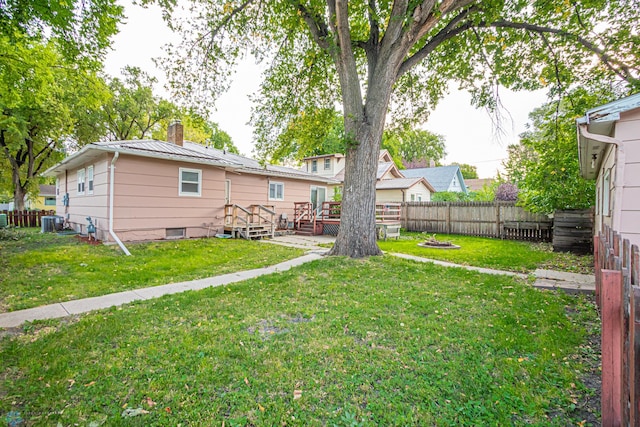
(620, 161)
(111, 186)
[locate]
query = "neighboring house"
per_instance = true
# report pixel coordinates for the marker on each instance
(442, 178)
(609, 152)
(478, 184)
(46, 199)
(391, 186)
(152, 190)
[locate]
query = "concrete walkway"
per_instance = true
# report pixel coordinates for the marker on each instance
(545, 279)
(63, 309)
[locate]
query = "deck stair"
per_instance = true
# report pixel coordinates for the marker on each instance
(253, 222)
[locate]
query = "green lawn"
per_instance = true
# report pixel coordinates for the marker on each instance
(523, 257)
(40, 269)
(337, 342)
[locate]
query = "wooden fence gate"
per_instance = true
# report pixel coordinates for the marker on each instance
(617, 264)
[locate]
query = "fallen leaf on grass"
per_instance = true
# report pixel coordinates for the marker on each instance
(90, 384)
(150, 402)
(297, 394)
(261, 407)
(246, 381)
(130, 412)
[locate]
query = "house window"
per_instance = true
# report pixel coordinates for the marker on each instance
(327, 164)
(190, 182)
(606, 192)
(90, 179)
(413, 197)
(81, 181)
(419, 197)
(314, 166)
(49, 201)
(276, 191)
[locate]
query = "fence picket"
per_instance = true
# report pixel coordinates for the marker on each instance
(26, 218)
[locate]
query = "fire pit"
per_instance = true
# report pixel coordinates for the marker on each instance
(432, 242)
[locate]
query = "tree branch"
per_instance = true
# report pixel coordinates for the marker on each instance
(622, 69)
(317, 26)
(452, 29)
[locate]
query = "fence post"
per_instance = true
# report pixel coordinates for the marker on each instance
(498, 228)
(612, 345)
(634, 357)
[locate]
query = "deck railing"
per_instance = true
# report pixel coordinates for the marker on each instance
(244, 219)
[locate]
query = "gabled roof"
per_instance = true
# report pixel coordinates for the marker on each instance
(440, 178)
(336, 155)
(402, 184)
(600, 122)
(385, 156)
(386, 167)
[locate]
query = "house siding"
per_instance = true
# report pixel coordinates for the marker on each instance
(147, 200)
(627, 214)
(85, 205)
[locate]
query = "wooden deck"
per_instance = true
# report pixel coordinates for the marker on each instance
(326, 219)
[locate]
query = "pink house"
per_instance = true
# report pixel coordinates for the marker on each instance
(149, 190)
(609, 151)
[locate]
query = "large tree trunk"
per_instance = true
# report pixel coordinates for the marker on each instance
(19, 192)
(357, 234)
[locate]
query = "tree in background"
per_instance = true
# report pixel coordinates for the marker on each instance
(312, 132)
(397, 58)
(545, 164)
(415, 148)
(506, 192)
(196, 129)
(133, 110)
(46, 105)
(49, 53)
(468, 171)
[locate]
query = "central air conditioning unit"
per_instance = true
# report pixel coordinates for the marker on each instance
(48, 224)
(52, 223)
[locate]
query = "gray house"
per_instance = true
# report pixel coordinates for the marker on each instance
(443, 178)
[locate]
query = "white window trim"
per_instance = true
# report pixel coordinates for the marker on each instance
(276, 183)
(314, 165)
(80, 178)
(90, 182)
(190, 194)
(606, 193)
(327, 164)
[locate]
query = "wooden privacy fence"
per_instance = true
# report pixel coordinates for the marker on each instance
(617, 265)
(503, 220)
(26, 218)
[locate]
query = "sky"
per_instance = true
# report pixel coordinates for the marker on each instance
(469, 133)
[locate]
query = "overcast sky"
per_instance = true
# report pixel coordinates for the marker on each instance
(469, 133)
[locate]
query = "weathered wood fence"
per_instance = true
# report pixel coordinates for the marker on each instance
(503, 220)
(26, 218)
(617, 265)
(573, 231)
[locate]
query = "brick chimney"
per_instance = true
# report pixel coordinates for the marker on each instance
(175, 134)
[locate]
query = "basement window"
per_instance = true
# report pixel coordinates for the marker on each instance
(175, 233)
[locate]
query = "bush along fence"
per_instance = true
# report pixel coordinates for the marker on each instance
(502, 220)
(617, 268)
(26, 218)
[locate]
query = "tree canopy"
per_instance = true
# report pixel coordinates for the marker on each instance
(545, 164)
(468, 171)
(396, 59)
(45, 104)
